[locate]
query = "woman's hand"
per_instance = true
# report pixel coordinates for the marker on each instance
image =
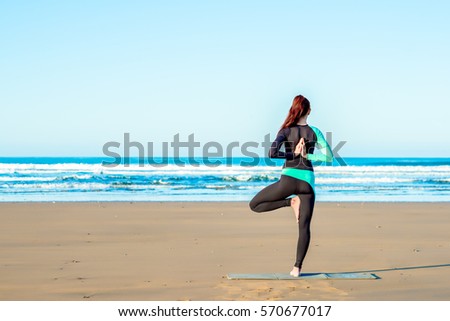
(300, 148)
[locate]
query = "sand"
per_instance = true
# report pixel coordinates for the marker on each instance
(184, 250)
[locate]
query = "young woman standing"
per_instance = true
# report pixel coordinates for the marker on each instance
(297, 175)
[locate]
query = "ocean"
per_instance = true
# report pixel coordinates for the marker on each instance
(47, 179)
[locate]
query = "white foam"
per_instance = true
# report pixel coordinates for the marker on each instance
(359, 180)
(26, 179)
(60, 186)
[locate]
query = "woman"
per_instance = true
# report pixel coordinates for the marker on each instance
(297, 175)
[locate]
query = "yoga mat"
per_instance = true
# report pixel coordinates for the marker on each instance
(303, 276)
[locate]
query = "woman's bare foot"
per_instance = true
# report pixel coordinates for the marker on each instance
(295, 272)
(295, 204)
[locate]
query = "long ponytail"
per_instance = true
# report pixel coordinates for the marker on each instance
(300, 107)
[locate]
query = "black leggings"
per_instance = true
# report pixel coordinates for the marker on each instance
(275, 196)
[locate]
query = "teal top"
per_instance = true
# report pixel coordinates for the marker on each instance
(325, 155)
(303, 174)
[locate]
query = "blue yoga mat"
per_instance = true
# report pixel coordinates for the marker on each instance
(303, 276)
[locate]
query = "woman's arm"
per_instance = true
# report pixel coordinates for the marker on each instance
(274, 151)
(321, 144)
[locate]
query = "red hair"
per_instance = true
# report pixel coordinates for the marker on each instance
(300, 107)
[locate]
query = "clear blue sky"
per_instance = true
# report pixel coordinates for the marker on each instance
(77, 74)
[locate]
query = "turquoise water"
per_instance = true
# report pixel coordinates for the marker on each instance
(236, 179)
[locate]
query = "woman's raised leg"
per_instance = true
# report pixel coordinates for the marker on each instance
(274, 196)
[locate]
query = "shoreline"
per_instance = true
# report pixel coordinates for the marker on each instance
(184, 250)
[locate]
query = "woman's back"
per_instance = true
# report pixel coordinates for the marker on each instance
(293, 136)
(290, 136)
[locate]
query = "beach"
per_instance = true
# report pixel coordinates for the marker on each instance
(184, 250)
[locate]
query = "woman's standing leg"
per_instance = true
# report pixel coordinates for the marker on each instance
(304, 226)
